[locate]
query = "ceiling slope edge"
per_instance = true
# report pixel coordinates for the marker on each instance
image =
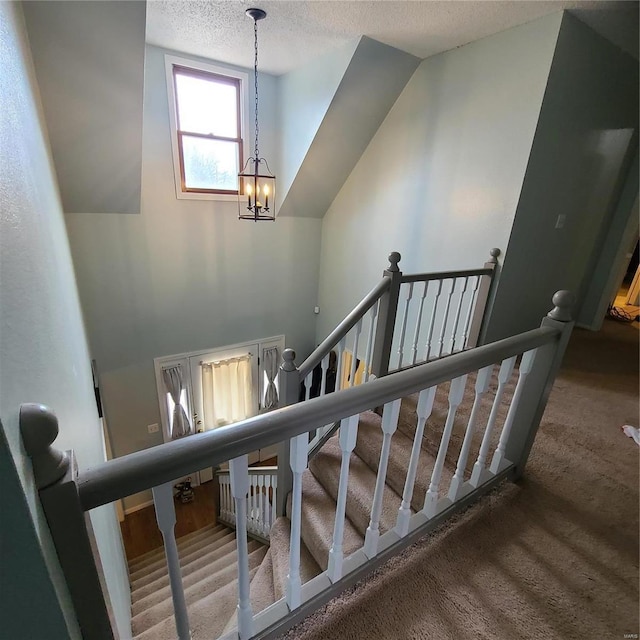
(372, 82)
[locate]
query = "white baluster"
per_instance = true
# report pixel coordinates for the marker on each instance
(432, 321)
(467, 322)
(298, 459)
(341, 346)
(274, 491)
(456, 391)
(425, 406)
(445, 318)
(267, 505)
(354, 359)
(166, 519)
(482, 385)
(324, 365)
(457, 317)
(307, 385)
(416, 334)
(403, 325)
(479, 473)
(389, 425)
(498, 462)
(373, 314)
(348, 436)
(239, 473)
(255, 511)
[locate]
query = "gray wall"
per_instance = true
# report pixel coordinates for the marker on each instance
(43, 355)
(440, 180)
(185, 274)
(574, 169)
(91, 88)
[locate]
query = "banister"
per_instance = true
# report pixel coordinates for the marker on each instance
(444, 275)
(344, 327)
(142, 470)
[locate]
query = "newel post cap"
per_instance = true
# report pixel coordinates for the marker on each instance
(494, 253)
(288, 360)
(39, 429)
(394, 258)
(563, 301)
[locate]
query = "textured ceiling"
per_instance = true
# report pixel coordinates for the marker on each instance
(295, 32)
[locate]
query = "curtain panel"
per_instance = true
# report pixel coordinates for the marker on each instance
(271, 362)
(227, 391)
(174, 385)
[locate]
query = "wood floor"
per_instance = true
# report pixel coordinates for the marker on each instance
(140, 531)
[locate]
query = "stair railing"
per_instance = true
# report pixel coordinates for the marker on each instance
(66, 495)
(447, 314)
(261, 500)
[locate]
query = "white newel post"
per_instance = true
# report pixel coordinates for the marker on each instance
(527, 416)
(348, 437)
(298, 457)
(390, 416)
(239, 472)
(289, 391)
(56, 475)
(166, 519)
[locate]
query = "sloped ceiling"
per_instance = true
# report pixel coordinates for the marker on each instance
(372, 82)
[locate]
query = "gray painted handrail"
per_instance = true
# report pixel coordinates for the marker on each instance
(445, 275)
(142, 470)
(343, 328)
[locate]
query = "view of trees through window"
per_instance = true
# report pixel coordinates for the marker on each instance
(208, 130)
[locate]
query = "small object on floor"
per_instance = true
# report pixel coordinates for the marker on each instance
(185, 492)
(618, 313)
(632, 432)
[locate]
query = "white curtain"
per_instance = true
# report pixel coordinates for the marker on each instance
(227, 391)
(174, 385)
(271, 362)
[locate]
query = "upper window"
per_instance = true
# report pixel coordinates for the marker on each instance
(206, 107)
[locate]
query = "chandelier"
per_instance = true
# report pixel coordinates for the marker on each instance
(256, 181)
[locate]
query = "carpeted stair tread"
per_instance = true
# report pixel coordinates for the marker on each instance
(182, 542)
(196, 592)
(153, 572)
(325, 466)
(280, 536)
(207, 616)
(160, 589)
(260, 591)
(369, 445)
(161, 578)
(318, 516)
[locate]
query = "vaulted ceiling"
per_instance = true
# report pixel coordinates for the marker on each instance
(295, 32)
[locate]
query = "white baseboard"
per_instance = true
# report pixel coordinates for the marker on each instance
(137, 507)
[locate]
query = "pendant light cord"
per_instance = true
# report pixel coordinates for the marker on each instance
(255, 79)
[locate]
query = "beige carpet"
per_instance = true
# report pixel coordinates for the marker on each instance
(555, 556)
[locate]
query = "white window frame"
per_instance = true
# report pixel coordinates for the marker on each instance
(170, 61)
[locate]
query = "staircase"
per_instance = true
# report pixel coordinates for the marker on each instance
(208, 556)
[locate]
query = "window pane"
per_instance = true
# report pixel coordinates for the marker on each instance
(210, 164)
(207, 106)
